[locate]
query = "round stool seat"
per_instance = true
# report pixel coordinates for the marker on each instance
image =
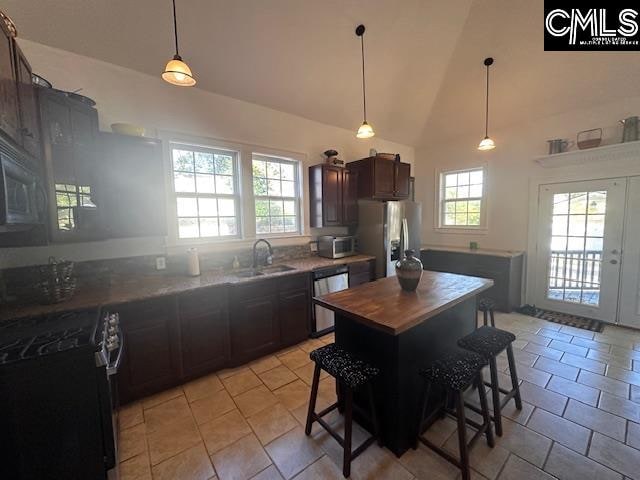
(486, 304)
(455, 370)
(343, 365)
(487, 341)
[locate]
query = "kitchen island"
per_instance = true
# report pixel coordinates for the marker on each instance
(400, 333)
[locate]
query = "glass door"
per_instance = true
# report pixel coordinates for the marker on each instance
(579, 247)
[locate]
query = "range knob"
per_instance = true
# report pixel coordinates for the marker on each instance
(112, 331)
(114, 319)
(112, 344)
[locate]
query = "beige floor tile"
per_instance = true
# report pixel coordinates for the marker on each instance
(293, 452)
(563, 431)
(575, 390)
(241, 382)
(556, 368)
(633, 435)
(174, 410)
(132, 441)
(327, 388)
(300, 415)
(615, 455)
(546, 399)
(530, 374)
(135, 468)
(596, 419)
(610, 359)
(568, 465)
(192, 464)
(305, 373)
(264, 364)
(623, 375)
(440, 431)
(202, 387)
(229, 372)
(162, 397)
(295, 359)
(482, 458)
(270, 423)
(311, 345)
(577, 332)
(323, 469)
(241, 460)
(269, 473)
(569, 348)
(606, 384)
(544, 351)
(620, 406)
(525, 358)
(426, 464)
(255, 400)
(209, 408)
(277, 377)
(172, 439)
(591, 344)
(130, 415)
(584, 363)
(518, 469)
(533, 338)
(524, 442)
(555, 335)
(224, 430)
(293, 394)
(635, 394)
(625, 352)
(376, 463)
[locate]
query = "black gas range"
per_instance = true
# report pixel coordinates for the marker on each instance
(57, 400)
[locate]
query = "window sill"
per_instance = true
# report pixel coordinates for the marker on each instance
(203, 245)
(462, 230)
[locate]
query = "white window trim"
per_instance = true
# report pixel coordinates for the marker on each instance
(245, 151)
(439, 226)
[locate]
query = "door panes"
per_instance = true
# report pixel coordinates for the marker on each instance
(577, 231)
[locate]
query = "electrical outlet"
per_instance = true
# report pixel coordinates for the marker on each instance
(161, 263)
(313, 246)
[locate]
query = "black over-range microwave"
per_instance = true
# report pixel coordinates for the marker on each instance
(22, 198)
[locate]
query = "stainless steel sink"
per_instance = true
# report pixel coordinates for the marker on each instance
(263, 271)
(248, 274)
(277, 269)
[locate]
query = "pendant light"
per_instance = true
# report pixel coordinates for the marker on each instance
(177, 72)
(365, 130)
(487, 143)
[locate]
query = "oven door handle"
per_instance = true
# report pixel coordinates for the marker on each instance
(112, 368)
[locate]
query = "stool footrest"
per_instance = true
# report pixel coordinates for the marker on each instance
(443, 453)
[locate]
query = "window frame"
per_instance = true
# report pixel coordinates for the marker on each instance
(297, 198)
(236, 196)
(441, 202)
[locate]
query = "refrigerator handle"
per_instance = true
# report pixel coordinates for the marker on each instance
(405, 236)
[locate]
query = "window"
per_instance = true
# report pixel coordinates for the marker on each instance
(206, 187)
(276, 191)
(70, 201)
(462, 199)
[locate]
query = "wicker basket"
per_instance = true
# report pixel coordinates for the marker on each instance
(58, 282)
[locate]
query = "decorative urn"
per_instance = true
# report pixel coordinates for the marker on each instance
(409, 271)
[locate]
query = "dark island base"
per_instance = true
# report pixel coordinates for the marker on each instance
(399, 357)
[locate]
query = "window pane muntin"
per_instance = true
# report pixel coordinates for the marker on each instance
(462, 198)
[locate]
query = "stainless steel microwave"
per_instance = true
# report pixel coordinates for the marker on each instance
(336, 247)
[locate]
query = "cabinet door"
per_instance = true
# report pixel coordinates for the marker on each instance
(361, 272)
(254, 320)
(132, 187)
(384, 178)
(331, 196)
(28, 105)
(204, 330)
(402, 174)
(151, 352)
(349, 197)
(9, 121)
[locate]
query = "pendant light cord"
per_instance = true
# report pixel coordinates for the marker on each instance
(175, 27)
(486, 113)
(364, 91)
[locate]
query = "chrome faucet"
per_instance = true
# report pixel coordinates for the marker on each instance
(269, 259)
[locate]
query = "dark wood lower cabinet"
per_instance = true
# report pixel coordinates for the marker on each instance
(294, 301)
(361, 272)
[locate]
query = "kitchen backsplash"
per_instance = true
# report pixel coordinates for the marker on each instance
(17, 284)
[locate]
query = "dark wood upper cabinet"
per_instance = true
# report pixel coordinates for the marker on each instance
(9, 120)
(28, 106)
(382, 179)
(132, 186)
(204, 330)
(333, 196)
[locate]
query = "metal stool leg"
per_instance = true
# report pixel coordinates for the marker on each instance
(312, 399)
(462, 436)
(348, 423)
(484, 317)
(485, 409)
(514, 376)
(495, 393)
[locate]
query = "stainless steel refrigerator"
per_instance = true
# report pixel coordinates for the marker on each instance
(386, 230)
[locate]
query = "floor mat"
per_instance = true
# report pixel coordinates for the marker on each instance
(562, 318)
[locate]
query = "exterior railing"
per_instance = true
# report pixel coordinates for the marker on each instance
(575, 268)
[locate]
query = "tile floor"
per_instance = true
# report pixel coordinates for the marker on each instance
(581, 419)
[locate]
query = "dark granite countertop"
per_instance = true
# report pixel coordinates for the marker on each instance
(121, 289)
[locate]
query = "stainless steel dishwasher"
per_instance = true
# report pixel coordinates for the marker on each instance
(327, 280)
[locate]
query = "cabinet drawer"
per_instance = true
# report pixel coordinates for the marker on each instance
(293, 282)
(254, 289)
(144, 313)
(203, 301)
(359, 267)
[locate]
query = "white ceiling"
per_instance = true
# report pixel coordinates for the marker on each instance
(425, 77)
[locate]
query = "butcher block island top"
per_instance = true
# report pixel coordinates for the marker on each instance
(383, 305)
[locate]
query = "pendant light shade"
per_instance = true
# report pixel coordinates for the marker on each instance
(487, 143)
(365, 130)
(177, 72)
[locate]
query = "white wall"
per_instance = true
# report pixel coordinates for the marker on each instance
(510, 168)
(124, 95)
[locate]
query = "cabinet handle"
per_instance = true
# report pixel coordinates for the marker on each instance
(26, 133)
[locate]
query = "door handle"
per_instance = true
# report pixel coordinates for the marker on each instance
(613, 262)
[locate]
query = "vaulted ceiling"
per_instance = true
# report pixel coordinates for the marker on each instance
(424, 57)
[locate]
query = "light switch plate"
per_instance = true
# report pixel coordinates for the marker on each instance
(161, 263)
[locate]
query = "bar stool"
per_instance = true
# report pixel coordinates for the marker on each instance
(350, 374)
(490, 342)
(455, 372)
(486, 306)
